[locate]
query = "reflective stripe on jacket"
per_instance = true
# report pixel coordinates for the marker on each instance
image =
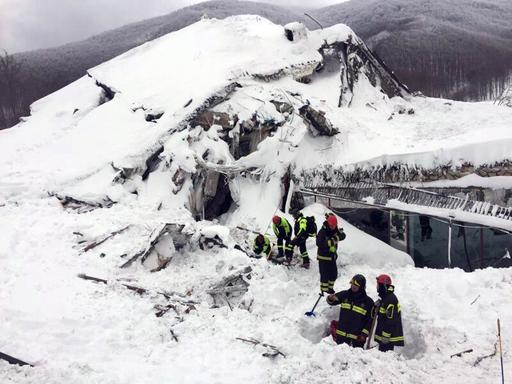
(301, 226)
(327, 243)
(389, 320)
(355, 313)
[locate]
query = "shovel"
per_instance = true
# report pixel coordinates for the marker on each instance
(312, 313)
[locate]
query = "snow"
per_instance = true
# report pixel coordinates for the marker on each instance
(473, 180)
(75, 143)
(82, 332)
(457, 215)
(260, 48)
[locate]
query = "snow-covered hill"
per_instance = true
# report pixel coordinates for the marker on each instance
(208, 122)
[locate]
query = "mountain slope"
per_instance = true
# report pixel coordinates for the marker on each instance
(458, 49)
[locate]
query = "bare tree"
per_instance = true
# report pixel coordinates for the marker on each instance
(11, 95)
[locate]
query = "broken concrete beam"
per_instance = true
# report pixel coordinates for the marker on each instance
(229, 289)
(282, 107)
(208, 118)
(122, 173)
(179, 240)
(152, 162)
(233, 286)
(82, 206)
(178, 180)
(211, 183)
(317, 123)
(152, 117)
(210, 102)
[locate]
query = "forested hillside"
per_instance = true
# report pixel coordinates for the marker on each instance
(459, 49)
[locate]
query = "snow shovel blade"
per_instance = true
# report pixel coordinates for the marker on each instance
(310, 313)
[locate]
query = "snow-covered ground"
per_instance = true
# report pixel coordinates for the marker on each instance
(77, 331)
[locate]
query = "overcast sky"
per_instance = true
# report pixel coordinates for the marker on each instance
(32, 24)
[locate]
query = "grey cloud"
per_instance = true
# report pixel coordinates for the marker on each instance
(32, 24)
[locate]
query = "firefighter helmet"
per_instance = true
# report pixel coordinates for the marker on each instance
(359, 280)
(332, 221)
(384, 279)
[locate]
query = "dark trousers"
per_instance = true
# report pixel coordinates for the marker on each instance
(386, 347)
(351, 342)
(328, 275)
(284, 247)
(301, 243)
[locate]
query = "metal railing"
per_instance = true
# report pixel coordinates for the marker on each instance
(379, 194)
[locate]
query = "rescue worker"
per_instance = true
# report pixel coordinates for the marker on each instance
(283, 231)
(389, 332)
(304, 227)
(355, 313)
(327, 243)
(261, 246)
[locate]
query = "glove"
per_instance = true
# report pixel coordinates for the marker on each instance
(332, 299)
(361, 338)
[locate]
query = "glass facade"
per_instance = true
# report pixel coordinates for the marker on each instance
(372, 221)
(426, 238)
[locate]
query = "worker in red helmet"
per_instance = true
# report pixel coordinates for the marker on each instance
(389, 332)
(327, 243)
(283, 232)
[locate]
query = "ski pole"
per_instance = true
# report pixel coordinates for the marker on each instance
(501, 354)
(312, 313)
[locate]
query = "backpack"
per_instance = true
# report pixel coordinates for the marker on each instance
(311, 227)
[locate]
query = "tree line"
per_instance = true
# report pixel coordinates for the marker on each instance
(12, 100)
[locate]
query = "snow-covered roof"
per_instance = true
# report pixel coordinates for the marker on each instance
(164, 74)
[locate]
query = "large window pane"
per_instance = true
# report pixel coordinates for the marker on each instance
(428, 241)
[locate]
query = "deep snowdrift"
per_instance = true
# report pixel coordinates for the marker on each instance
(81, 332)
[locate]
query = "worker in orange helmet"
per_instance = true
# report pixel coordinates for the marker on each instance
(327, 242)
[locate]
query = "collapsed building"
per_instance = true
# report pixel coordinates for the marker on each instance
(236, 140)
